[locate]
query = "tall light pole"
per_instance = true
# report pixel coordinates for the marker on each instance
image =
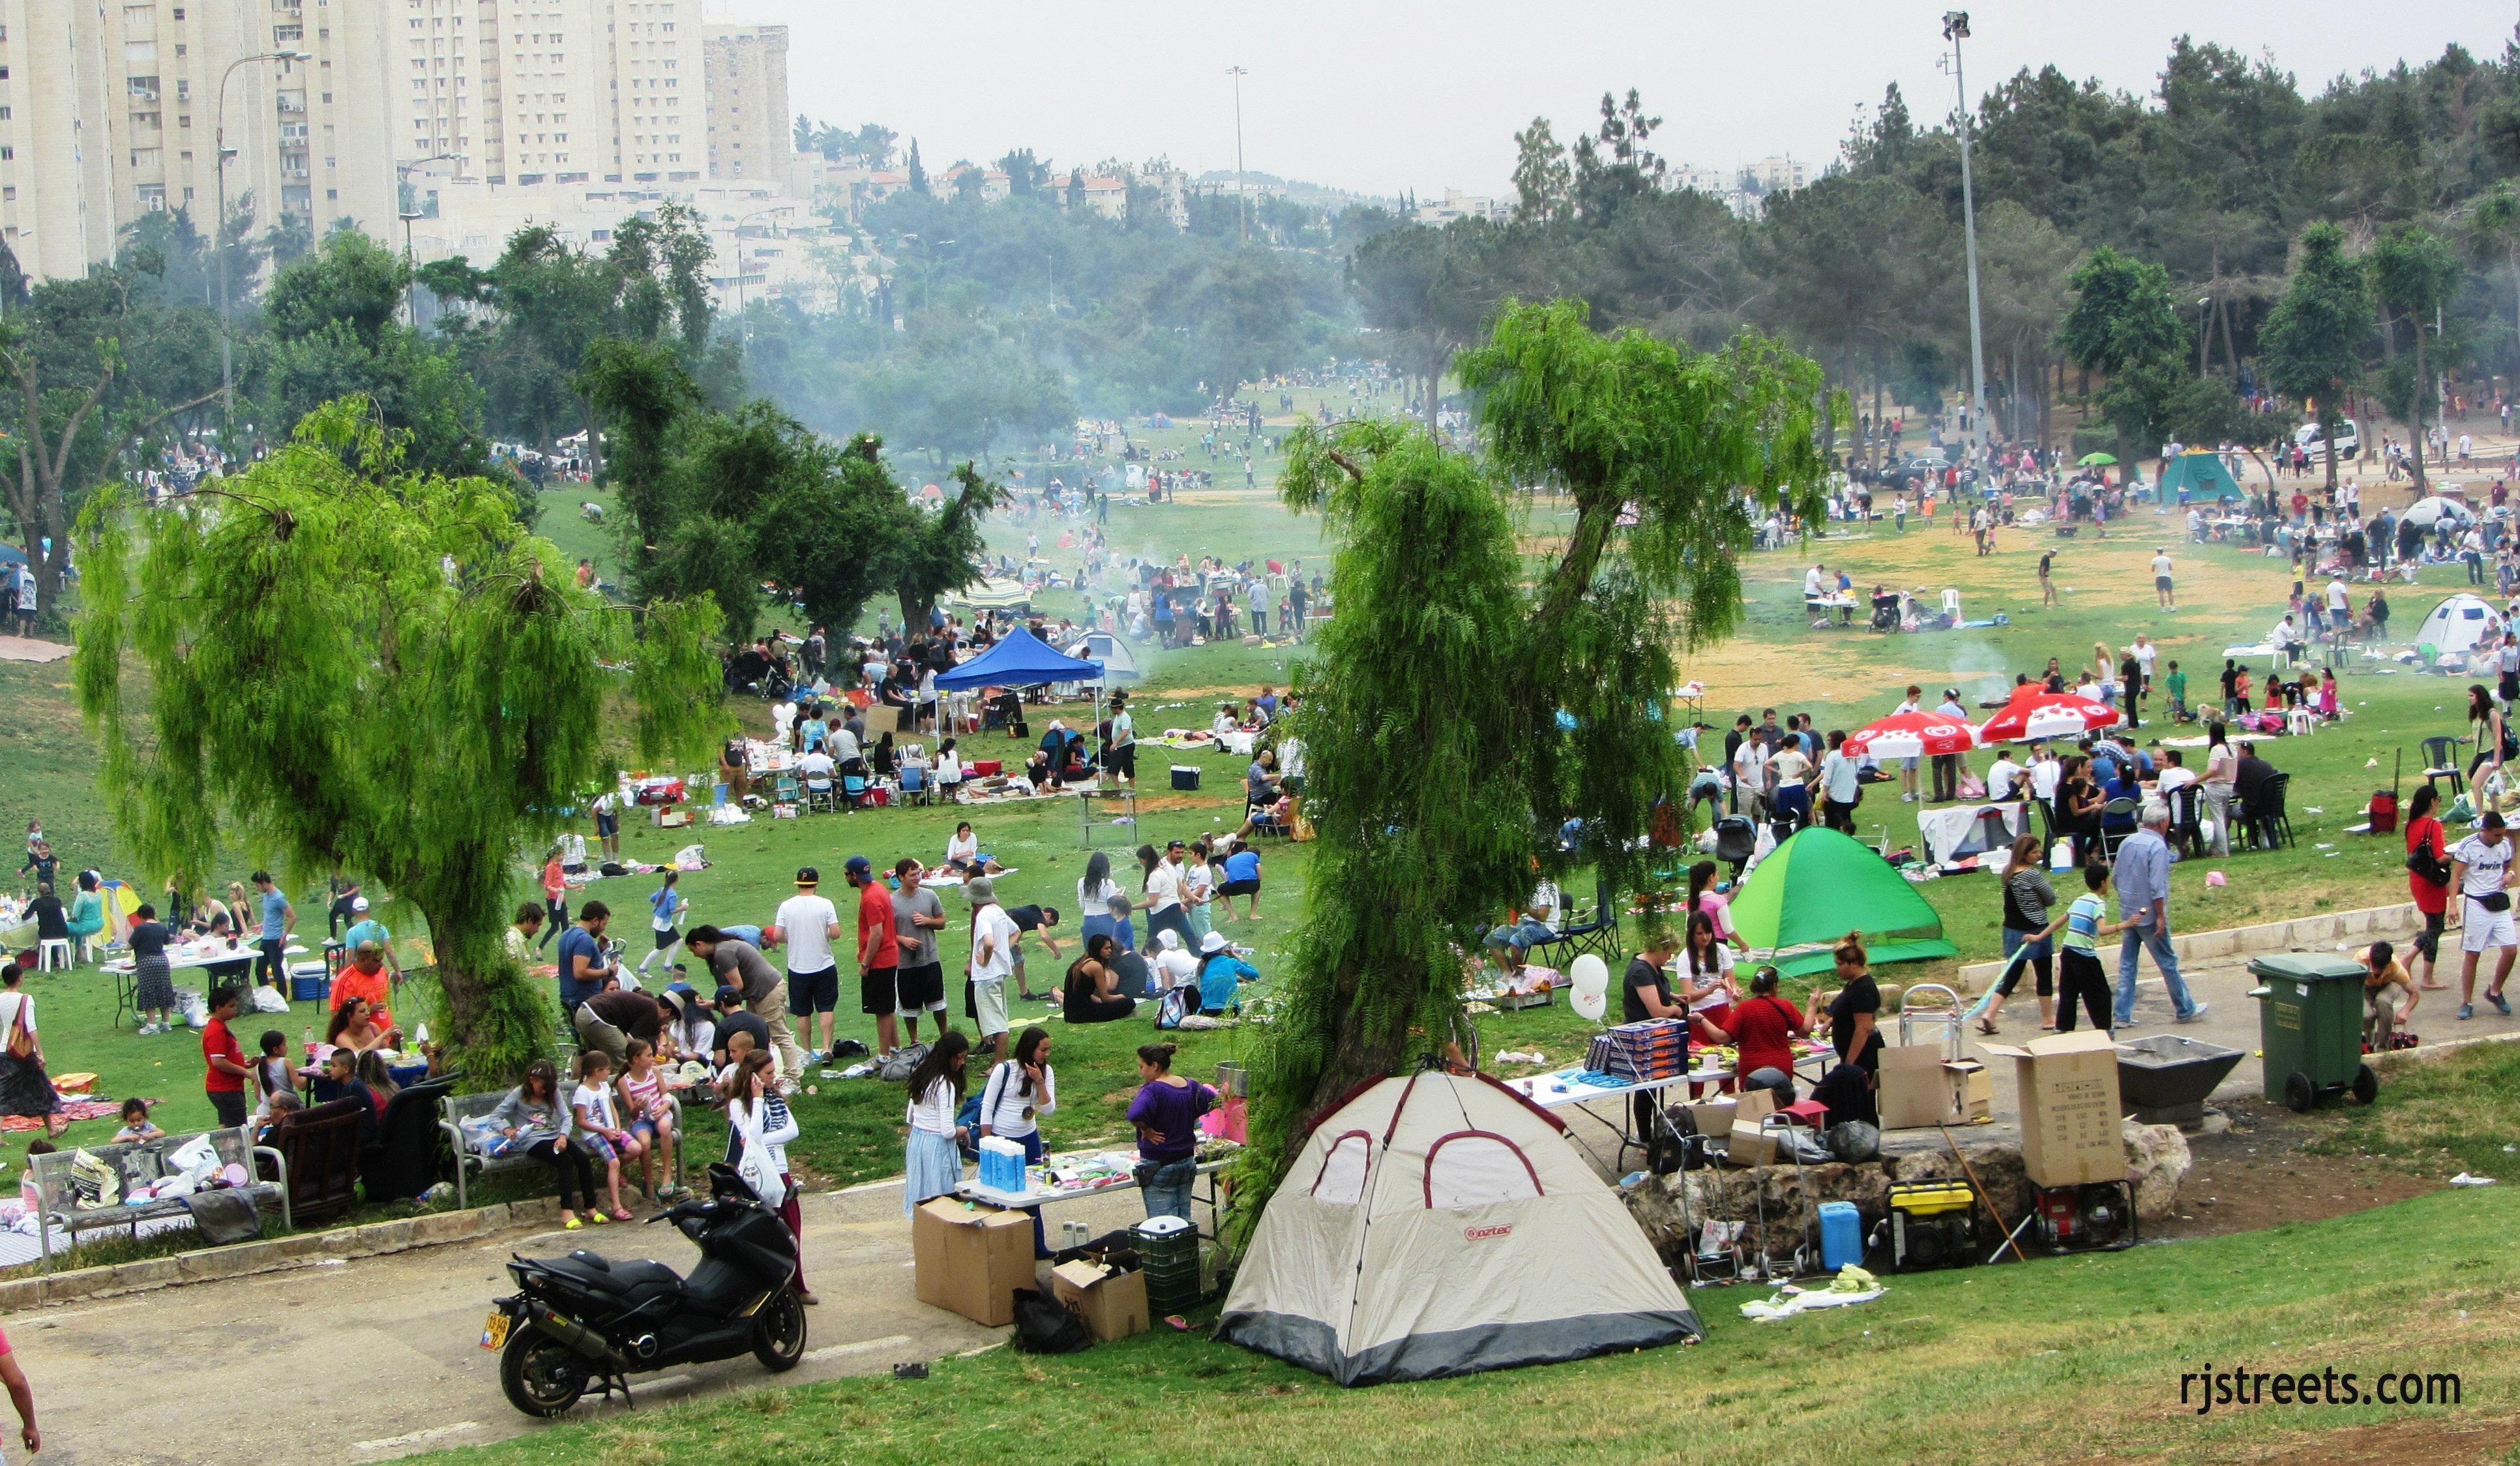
(743, 326)
(219, 231)
(2201, 305)
(1242, 186)
(1956, 30)
(402, 181)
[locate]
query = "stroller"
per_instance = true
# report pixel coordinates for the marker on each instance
(1736, 840)
(1885, 611)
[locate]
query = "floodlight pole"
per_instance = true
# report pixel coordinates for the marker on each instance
(218, 234)
(1242, 185)
(1956, 30)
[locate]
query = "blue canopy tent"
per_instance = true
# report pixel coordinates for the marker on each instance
(1019, 660)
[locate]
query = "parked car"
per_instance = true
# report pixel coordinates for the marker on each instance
(2349, 438)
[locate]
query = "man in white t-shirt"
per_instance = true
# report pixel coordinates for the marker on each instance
(2044, 774)
(1750, 775)
(1913, 702)
(993, 936)
(2481, 868)
(2340, 603)
(2143, 652)
(2003, 780)
(807, 924)
(2161, 579)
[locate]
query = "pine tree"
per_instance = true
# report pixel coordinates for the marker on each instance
(2313, 337)
(917, 171)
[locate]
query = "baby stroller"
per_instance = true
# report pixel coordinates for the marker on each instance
(1736, 840)
(1885, 612)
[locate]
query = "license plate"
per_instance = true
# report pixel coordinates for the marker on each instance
(494, 1330)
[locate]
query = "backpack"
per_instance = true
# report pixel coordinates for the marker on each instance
(1171, 1010)
(1046, 1326)
(897, 1068)
(968, 1120)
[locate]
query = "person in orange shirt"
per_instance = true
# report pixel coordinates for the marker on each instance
(554, 899)
(365, 977)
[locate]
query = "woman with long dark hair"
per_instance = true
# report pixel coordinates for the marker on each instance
(534, 1118)
(2221, 783)
(2484, 724)
(2027, 895)
(1019, 1090)
(1094, 895)
(24, 1088)
(1703, 896)
(932, 1157)
(1092, 990)
(2431, 895)
(755, 1111)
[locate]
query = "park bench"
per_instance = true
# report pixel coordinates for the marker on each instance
(462, 1107)
(139, 1163)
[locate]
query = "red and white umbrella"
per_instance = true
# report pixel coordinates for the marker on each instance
(2036, 713)
(1912, 735)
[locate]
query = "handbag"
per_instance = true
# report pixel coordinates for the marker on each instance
(755, 1164)
(21, 1043)
(2422, 863)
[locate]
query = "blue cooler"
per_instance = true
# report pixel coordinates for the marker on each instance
(309, 983)
(1842, 1235)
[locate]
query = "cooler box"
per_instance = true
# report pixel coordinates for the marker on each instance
(309, 983)
(1185, 776)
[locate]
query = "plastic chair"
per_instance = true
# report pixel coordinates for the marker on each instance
(2269, 823)
(2301, 722)
(818, 794)
(1952, 604)
(915, 788)
(2441, 762)
(45, 950)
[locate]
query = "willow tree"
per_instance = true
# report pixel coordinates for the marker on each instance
(354, 667)
(1457, 713)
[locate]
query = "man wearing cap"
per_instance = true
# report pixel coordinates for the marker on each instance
(993, 936)
(364, 977)
(807, 925)
(740, 965)
(365, 928)
(918, 916)
(878, 955)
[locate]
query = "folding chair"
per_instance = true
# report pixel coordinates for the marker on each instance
(818, 794)
(915, 788)
(2441, 762)
(852, 791)
(783, 791)
(2111, 839)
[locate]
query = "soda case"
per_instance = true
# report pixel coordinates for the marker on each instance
(1002, 1164)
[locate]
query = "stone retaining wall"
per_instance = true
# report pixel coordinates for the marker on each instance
(274, 1254)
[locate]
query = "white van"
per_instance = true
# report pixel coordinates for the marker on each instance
(2349, 438)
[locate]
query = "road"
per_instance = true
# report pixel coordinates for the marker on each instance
(376, 1357)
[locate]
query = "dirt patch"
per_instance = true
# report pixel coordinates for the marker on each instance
(2428, 1439)
(2259, 1174)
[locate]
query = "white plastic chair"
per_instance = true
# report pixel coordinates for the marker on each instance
(1951, 603)
(47, 947)
(2301, 721)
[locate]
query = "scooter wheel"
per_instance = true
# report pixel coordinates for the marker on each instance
(542, 1376)
(779, 1331)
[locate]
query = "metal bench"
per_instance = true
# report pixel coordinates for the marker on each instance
(139, 1163)
(462, 1107)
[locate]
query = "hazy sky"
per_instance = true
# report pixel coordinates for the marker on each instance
(1380, 95)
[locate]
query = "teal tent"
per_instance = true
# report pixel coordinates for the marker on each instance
(2200, 472)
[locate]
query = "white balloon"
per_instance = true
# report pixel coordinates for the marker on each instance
(1589, 1004)
(1590, 973)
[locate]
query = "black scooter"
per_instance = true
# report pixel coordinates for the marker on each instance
(583, 1320)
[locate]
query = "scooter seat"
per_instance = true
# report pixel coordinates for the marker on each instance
(623, 1278)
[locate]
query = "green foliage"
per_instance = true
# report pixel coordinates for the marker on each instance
(2312, 344)
(264, 667)
(2415, 274)
(2125, 323)
(936, 550)
(1666, 454)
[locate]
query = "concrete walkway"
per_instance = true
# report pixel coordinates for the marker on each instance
(376, 1357)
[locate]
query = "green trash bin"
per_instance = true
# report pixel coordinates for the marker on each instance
(2310, 1026)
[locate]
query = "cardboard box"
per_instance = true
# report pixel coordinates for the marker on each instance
(1913, 1090)
(1113, 1304)
(1750, 1145)
(1972, 1091)
(2068, 1085)
(1717, 1116)
(971, 1259)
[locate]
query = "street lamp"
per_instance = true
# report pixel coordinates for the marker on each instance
(218, 235)
(1956, 30)
(402, 181)
(1242, 185)
(743, 327)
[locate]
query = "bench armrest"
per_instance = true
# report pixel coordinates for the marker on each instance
(282, 1162)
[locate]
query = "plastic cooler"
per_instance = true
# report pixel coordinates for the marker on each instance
(1168, 1254)
(2310, 1026)
(309, 983)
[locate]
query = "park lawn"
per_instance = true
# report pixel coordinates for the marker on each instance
(1843, 677)
(2074, 1359)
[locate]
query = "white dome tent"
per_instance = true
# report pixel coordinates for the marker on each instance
(2457, 626)
(1439, 1226)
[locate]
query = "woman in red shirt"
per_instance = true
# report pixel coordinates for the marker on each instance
(2432, 898)
(1764, 1027)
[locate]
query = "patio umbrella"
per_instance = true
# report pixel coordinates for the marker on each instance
(2425, 513)
(2094, 460)
(2036, 713)
(1912, 735)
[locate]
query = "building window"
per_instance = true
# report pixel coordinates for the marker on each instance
(8, 154)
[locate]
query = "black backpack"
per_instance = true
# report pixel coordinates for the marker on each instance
(1046, 1326)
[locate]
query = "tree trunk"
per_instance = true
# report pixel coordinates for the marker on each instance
(2416, 416)
(594, 438)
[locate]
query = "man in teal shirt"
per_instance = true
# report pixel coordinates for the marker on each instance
(368, 929)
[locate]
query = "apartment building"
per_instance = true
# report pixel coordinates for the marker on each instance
(521, 93)
(749, 136)
(111, 110)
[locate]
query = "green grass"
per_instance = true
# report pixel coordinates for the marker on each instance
(2060, 1359)
(1844, 678)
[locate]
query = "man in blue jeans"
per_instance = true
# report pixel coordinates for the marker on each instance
(277, 916)
(2144, 912)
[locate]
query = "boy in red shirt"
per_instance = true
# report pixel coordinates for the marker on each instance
(224, 1082)
(878, 953)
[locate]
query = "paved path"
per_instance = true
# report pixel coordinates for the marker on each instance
(377, 1357)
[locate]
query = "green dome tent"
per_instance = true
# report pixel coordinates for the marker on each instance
(1821, 884)
(2201, 473)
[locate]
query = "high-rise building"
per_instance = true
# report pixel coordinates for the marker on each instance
(749, 133)
(529, 92)
(111, 111)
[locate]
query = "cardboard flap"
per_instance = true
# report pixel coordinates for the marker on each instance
(2080, 1041)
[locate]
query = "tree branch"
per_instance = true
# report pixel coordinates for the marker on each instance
(1343, 460)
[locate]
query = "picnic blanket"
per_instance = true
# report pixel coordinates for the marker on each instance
(71, 1108)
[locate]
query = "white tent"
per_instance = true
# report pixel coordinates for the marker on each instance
(1119, 663)
(1440, 1225)
(2457, 625)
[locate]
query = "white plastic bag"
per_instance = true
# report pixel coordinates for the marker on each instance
(197, 1158)
(268, 999)
(753, 1165)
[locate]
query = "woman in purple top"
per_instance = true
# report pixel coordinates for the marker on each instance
(1166, 1112)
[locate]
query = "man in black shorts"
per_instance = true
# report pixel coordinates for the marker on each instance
(918, 916)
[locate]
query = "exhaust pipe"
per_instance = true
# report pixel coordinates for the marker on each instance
(575, 1335)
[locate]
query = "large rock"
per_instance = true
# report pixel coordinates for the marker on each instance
(1772, 1200)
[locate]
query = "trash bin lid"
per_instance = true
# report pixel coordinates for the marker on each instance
(2306, 967)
